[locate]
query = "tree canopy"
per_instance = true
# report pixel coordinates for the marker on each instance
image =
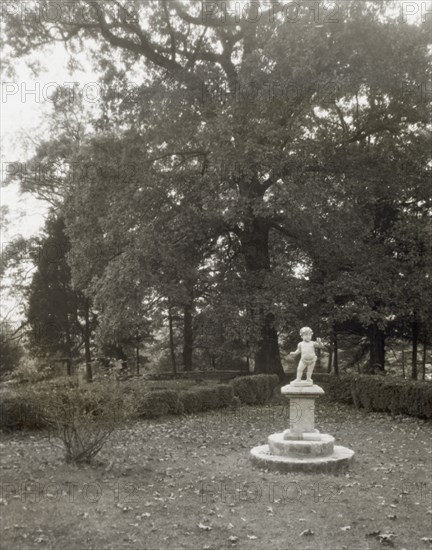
(249, 173)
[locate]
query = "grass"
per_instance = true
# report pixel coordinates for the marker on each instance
(186, 482)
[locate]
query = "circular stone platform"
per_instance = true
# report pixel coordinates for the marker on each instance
(280, 446)
(337, 462)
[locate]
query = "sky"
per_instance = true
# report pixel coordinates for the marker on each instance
(24, 106)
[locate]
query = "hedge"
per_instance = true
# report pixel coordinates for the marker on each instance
(256, 389)
(382, 393)
(206, 398)
(16, 414)
(37, 406)
(158, 403)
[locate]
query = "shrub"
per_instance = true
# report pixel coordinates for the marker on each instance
(209, 397)
(170, 384)
(236, 402)
(191, 401)
(205, 398)
(382, 393)
(159, 402)
(225, 394)
(339, 389)
(245, 389)
(32, 370)
(17, 414)
(265, 384)
(255, 389)
(81, 417)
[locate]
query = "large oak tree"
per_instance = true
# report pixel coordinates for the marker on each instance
(298, 106)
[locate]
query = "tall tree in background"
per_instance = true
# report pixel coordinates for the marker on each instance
(59, 317)
(211, 98)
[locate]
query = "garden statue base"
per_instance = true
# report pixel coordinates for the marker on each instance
(302, 448)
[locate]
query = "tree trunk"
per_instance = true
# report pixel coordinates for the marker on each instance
(318, 364)
(335, 354)
(187, 337)
(415, 335)
(137, 360)
(255, 247)
(68, 349)
(424, 358)
(87, 351)
(330, 360)
(171, 340)
(377, 348)
(267, 357)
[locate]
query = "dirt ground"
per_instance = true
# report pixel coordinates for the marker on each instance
(186, 482)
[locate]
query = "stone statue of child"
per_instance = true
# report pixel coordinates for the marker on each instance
(308, 358)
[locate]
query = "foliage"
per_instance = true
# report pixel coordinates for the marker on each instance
(56, 312)
(82, 418)
(31, 369)
(17, 414)
(158, 403)
(11, 351)
(382, 393)
(225, 394)
(257, 175)
(255, 389)
(92, 412)
(199, 399)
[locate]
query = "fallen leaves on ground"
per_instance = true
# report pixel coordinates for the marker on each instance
(186, 482)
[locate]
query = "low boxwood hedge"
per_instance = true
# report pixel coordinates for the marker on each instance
(205, 398)
(382, 393)
(256, 389)
(158, 403)
(17, 414)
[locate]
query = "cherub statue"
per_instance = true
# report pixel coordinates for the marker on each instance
(306, 349)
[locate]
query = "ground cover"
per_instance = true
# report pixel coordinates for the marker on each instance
(186, 482)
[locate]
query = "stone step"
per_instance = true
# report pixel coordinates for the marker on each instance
(337, 462)
(301, 448)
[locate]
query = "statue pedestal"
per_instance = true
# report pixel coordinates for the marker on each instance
(302, 448)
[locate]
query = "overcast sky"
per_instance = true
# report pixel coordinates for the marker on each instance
(24, 107)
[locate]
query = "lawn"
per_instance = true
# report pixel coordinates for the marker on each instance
(186, 482)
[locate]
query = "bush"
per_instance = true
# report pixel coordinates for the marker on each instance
(383, 393)
(65, 398)
(256, 389)
(245, 389)
(225, 394)
(81, 417)
(16, 414)
(170, 384)
(32, 370)
(159, 402)
(265, 384)
(20, 411)
(205, 398)
(191, 401)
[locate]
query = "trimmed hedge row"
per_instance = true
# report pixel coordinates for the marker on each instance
(255, 390)
(16, 415)
(160, 402)
(382, 393)
(249, 390)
